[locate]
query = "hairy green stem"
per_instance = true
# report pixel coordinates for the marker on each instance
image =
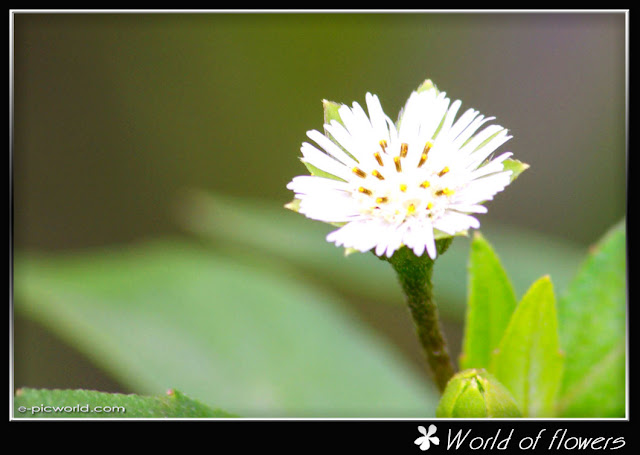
(414, 274)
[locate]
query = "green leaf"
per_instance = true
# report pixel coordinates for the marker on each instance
(42, 403)
(251, 337)
(528, 360)
(490, 305)
(592, 318)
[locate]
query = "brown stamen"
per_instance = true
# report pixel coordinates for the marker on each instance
(396, 161)
(359, 172)
(425, 153)
(404, 148)
(445, 191)
(377, 174)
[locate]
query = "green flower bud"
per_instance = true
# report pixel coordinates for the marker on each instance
(476, 393)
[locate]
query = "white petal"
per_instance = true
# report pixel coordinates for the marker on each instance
(359, 235)
(483, 189)
(331, 148)
(449, 129)
(359, 125)
(309, 184)
(478, 156)
(419, 236)
(379, 121)
(469, 208)
(329, 209)
(454, 222)
(470, 130)
(389, 239)
(495, 165)
(432, 120)
(479, 138)
(324, 162)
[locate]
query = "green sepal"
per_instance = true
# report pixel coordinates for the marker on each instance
(294, 205)
(441, 235)
(331, 109)
(516, 167)
(427, 85)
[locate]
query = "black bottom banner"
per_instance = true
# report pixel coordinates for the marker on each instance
(430, 436)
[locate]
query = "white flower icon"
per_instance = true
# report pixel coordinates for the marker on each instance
(427, 439)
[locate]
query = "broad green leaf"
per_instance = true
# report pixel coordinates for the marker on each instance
(63, 404)
(490, 305)
(528, 360)
(232, 223)
(250, 337)
(592, 318)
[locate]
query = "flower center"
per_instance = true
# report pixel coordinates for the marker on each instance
(395, 189)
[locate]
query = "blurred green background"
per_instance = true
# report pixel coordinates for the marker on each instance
(118, 116)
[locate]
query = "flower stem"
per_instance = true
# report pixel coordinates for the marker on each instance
(414, 274)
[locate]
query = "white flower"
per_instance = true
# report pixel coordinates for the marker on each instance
(427, 439)
(389, 185)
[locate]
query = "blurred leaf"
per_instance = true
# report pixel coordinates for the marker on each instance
(528, 360)
(490, 305)
(251, 338)
(234, 222)
(41, 403)
(592, 318)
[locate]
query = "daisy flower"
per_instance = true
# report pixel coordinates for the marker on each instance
(410, 183)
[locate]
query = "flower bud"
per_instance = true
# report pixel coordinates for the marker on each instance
(476, 393)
